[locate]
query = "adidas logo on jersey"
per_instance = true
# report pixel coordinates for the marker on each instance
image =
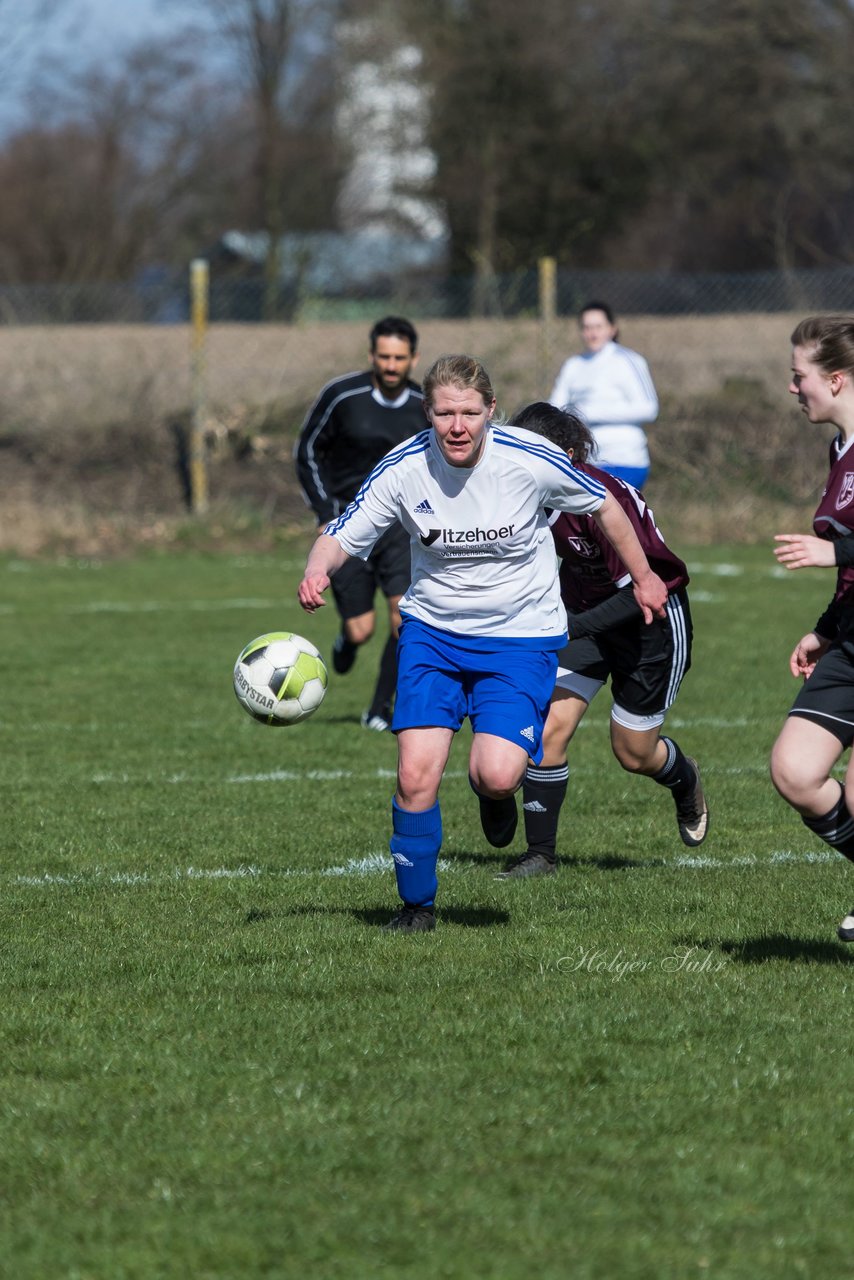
(528, 733)
(424, 508)
(534, 806)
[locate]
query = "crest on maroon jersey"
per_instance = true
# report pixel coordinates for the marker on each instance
(584, 547)
(846, 491)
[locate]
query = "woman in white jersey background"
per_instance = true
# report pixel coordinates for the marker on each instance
(483, 619)
(612, 388)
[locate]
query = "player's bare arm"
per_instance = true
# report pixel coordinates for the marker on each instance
(804, 550)
(325, 557)
(650, 591)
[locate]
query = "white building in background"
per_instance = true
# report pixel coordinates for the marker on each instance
(382, 121)
(389, 226)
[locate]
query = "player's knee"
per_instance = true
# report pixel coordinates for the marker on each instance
(789, 779)
(416, 791)
(789, 787)
(633, 761)
(498, 781)
(636, 752)
(359, 630)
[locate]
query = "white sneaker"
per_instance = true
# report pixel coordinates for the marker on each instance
(377, 723)
(845, 932)
(692, 813)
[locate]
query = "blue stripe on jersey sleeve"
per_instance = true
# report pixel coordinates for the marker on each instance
(550, 453)
(409, 448)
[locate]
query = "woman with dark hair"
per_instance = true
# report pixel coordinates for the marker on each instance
(608, 641)
(482, 619)
(612, 388)
(820, 725)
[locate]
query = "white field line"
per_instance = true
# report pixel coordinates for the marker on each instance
(705, 597)
(719, 570)
(274, 775)
(381, 864)
(370, 864)
(170, 606)
(337, 775)
(725, 570)
(593, 720)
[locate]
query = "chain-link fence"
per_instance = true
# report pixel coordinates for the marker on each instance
(102, 354)
(102, 388)
(164, 297)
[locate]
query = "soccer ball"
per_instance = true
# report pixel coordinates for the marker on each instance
(280, 678)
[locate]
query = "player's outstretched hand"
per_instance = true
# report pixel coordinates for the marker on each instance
(310, 591)
(651, 595)
(806, 654)
(803, 550)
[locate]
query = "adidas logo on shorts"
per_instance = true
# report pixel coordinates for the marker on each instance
(528, 733)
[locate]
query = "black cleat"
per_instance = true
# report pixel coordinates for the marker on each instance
(692, 812)
(527, 864)
(343, 654)
(845, 932)
(411, 920)
(499, 819)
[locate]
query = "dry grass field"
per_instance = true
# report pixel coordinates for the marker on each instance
(93, 423)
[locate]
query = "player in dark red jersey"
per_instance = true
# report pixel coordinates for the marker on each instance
(354, 422)
(820, 725)
(608, 640)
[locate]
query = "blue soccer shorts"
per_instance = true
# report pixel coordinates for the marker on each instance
(635, 476)
(503, 686)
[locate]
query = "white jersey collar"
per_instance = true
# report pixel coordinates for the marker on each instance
(390, 404)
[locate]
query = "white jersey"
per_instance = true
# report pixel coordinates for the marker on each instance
(613, 391)
(483, 558)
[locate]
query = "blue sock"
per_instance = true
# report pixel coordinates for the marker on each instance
(415, 848)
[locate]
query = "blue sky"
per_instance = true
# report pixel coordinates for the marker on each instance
(112, 23)
(81, 31)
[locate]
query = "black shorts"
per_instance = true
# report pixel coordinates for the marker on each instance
(645, 664)
(387, 569)
(827, 698)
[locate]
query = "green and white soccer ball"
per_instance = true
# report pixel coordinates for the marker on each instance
(280, 678)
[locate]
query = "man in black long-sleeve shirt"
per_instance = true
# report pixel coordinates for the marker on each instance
(354, 422)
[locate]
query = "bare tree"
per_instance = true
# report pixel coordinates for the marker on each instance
(102, 183)
(522, 130)
(276, 44)
(20, 24)
(24, 28)
(753, 134)
(640, 133)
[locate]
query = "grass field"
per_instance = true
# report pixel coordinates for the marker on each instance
(216, 1065)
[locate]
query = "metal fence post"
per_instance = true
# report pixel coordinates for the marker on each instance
(199, 290)
(547, 268)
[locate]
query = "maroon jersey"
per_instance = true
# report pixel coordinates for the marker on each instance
(834, 517)
(591, 571)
